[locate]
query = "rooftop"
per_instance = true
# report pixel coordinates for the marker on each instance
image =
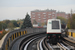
(47, 10)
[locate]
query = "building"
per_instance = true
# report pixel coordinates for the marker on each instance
(41, 16)
(62, 14)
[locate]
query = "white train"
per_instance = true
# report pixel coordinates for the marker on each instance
(54, 30)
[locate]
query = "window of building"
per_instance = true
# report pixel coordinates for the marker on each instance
(33, 13)
(33, 16)
(44, 18)
(39, 17)
(38, 14)
(44, 13)
(49, 17)
(53, 15)
(49, 14)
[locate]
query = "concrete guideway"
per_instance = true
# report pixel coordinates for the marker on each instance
(71, 33)
(31, 41)
(47, 46)
(27, 41)
(41, 44)
(69, 39)
(12, 36)
(12, 41)
(16, 44)
(26, 46)
(72, 38)
(2, 40)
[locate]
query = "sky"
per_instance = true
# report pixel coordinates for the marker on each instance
(17, 9)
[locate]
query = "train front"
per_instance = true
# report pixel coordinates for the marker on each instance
(54, 30)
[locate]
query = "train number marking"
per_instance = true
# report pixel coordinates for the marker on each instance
(50, 23)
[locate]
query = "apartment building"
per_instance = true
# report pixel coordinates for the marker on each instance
(41, 16)
(62, 14)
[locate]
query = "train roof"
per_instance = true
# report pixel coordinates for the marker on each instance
(53, 19)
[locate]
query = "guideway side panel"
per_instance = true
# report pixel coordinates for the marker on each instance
(73, 34)
(13, 36)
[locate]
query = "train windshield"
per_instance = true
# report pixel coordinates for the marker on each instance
(55, 24)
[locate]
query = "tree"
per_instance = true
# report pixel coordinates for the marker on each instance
(0, 26)
(71, 22)
(10, 25)
(6, 21)
(3, 26)
(27, 22)
(15, 23)
(44, 23)
(63, 20)
(34, 22)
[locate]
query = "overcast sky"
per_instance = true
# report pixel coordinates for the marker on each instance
(17, 9)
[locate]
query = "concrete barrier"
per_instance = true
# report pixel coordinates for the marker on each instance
(71, 33)
(11, 36)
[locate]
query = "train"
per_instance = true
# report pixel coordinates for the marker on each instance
(54, 30)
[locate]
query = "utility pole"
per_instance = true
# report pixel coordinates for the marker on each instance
(71, 12)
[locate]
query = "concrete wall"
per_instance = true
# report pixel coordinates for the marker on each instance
(11, 36)
(71, 33)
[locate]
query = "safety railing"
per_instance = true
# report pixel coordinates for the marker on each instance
(17, 33)
(71, 33)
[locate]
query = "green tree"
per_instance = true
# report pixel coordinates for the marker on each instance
(34, 22)
(20, 22)
(71, 22)
(3, 26)
(15, 23)
(27, 22)
(0, 26)
(11, 26)
(63, 20)
(6, 21)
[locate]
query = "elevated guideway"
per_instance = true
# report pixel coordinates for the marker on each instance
(12, 36)
(13, 39)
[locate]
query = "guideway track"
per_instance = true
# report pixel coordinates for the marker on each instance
(68, 42)
(17, 43)
(25, 43)
(45, 45)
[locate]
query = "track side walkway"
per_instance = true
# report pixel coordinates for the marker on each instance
(2, 40)
(69, 38)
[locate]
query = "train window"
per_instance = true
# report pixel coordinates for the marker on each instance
(55, 24)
